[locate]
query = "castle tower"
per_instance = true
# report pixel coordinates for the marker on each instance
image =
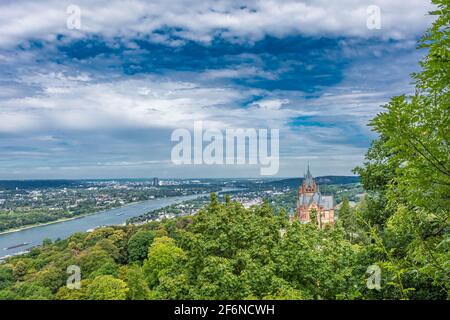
(310, 199)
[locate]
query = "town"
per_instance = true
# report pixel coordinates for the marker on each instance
(26, 203)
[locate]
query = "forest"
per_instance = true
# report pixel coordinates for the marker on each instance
(226, 251)
(223, 252)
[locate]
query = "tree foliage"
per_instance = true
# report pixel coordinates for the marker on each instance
(106, 288)
(138, 245)
(408, 175)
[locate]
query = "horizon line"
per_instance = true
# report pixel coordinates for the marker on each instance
(172, 178)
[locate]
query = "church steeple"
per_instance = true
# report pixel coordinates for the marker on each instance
(309, 183)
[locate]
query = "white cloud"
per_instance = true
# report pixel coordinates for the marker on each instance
(202, 20)
(242, 72)
(95, 111)
(70, 104)
(271, 104)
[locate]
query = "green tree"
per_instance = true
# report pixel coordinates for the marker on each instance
(320, 262)
(138, 246)
(162, 255)
(108, 246)
(349, 219)
(65, 293)
(32, 291)
(107, 268)
(106, 288)
(51, 278)
(136, 283)
(20, 269)
(6, 276)
(7, 294)
(93, 259)
(408, 175)
(345, 214)
(46, 242)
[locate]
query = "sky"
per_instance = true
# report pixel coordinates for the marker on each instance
(94, 89)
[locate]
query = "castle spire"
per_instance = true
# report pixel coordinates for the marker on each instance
(309, 181)
(308, 174)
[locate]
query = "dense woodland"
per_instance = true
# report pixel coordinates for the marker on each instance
(229, 252)
(223, 252)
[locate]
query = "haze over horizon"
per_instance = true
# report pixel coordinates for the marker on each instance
(175, 178)
(102, 101)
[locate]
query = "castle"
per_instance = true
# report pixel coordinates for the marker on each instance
(310, 200)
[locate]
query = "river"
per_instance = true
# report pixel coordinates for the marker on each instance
(60, 230)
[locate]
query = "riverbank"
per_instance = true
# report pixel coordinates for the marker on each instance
(53, 230)
(36, 225)
(64, 228)
(67, 219)
(46, 223)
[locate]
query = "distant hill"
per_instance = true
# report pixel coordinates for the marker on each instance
(296, 182)
(291, 182)
(38, 184)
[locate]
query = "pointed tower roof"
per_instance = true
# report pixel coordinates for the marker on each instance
(308, 178)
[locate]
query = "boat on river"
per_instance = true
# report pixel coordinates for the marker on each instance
(17, 246)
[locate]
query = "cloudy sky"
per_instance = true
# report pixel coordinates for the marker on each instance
(102, 100)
